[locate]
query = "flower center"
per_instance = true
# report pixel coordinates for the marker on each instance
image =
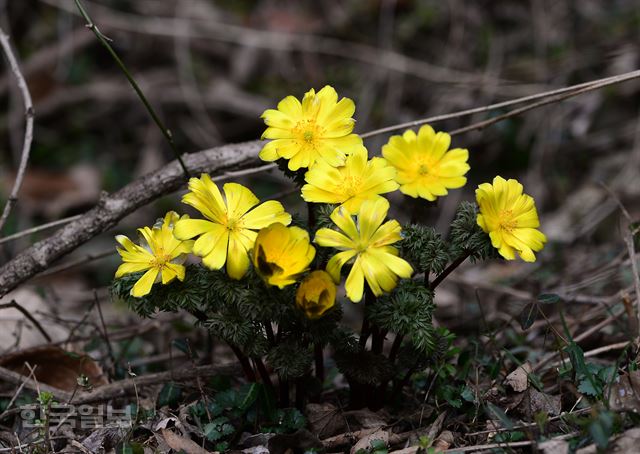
(423, 169)
(506, 221)
(351, 185)
(308, 131)
(233, 225)
(160, 260)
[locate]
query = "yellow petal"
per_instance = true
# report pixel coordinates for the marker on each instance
(131, 267)
(190, 228)
(237, 258)
(143, 286)
(266, 214)
(355, 282)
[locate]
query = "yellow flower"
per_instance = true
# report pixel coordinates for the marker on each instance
(316, 294)
(228, 233)
(161, 257)
(281, 254)
(510, 218)
(317, 129)
(425, 168)
(369, 242)
(358, 180)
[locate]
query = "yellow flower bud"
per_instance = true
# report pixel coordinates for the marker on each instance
(316, 294)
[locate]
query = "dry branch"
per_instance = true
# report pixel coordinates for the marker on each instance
(111, 208)
(28, 130)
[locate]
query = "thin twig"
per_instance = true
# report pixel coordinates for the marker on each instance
(39, 228)
(105, 42)
(544, 102)
(28, 130)
(14, 305)
(573, 90)
(105, 331)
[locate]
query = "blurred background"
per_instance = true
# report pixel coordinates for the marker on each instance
(210, 68)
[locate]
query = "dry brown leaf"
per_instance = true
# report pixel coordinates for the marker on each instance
(444, 440)
(55, 367)
(554, 447)
(625, 392)
(627, 442)
(325, 420)
(534, 402)
(518, 379)
(180, 443)
(365, 442)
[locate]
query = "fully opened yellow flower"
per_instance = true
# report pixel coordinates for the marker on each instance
(318, 128)
(228, 233)
(369, 242)
(425, 168)
(161, 255)
(316, 294)
(510, 218)
(281, 254)
(358, 180)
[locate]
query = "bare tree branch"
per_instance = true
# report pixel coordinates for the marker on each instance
(111, 208)
(28, 130)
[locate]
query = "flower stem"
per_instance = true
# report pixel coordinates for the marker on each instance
(284, 392)
(264, 373)
(319, 359)
(105, 42)
(395, 348)
(455, 264)
(244, 362)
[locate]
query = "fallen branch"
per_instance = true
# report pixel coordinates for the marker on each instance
(111, 208)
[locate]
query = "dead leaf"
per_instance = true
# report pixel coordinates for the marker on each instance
(518, 379)
(444, 440)
(299, 441)
(554, 447)
(180, 443)
(365, 442)
(55, 367)
(625, 392)
(534, 402)
(367, 419)
(627, 442)
(325, 420)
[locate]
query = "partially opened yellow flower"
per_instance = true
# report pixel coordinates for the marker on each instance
(228, 233)
(425, 168)
(161, 255)
(350, 185)
(510, 218)
(368, 244)
(281, 254)
(316, 294)
(316, 129)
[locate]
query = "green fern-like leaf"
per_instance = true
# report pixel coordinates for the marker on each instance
(290, 359)
(467, 237)
(424, 248)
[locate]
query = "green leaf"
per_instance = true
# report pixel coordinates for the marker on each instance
(183, 346)
(549, 298)
(169, 395)
(218, 428)
(468, 394)
(498, 413)
(601, 429)
(249, 393)
(528, 316)
(129, 448)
